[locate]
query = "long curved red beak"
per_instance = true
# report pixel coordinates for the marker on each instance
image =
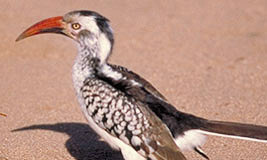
(50, 25)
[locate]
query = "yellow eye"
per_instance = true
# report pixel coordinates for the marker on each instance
(76, 26)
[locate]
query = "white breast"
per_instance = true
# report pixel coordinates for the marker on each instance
(79, 77)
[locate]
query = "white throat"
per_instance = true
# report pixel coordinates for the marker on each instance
(90, 48)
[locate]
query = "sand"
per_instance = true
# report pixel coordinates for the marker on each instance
(209, 58)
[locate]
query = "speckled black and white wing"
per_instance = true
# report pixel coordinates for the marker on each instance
(128, 120)
(187, 130)
(179, 123)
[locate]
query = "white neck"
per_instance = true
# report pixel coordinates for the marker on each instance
(90, 49)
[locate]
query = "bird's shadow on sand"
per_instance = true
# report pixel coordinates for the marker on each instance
(83, 144)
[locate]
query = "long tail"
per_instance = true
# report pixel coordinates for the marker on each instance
(194, 138)
(235, 130)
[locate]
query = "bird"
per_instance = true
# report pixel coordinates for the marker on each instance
(123, 108)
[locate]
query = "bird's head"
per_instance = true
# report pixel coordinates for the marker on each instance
(85, 27)
(74, 24)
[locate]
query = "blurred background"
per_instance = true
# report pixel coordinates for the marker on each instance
(209, 58)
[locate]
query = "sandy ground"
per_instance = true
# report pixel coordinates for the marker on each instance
(207, 57)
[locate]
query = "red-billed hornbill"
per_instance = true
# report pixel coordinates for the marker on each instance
(125, 109)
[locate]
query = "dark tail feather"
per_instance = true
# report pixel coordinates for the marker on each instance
(235, 130)
(201, 152)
